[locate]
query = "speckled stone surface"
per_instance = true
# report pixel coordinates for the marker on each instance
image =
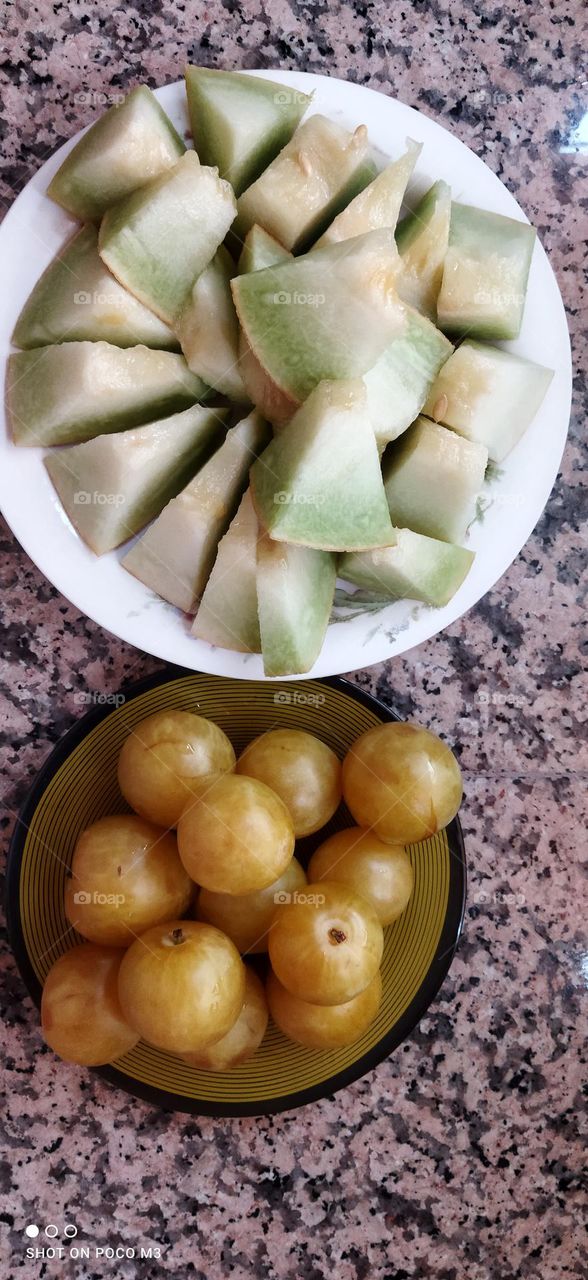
(461, 1155)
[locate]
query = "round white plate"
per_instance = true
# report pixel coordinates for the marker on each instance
(33, 232)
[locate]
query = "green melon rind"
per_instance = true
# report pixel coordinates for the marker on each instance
(422, 238)
(485, 274)
(414, 567)
(379, 204)
(319, 484)
(78, 300)
(112, 486)
(227, 616)
(398, 384)
(175, 555)
(295, 590)
(433, 478)
(325, 316)
(158, 240)
(239, 123)
(208, 329)
(488, 395)
(129, 145)
(75, 390)
(317, 173)
(260, 250)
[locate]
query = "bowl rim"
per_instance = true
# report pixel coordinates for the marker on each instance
(165, 1099)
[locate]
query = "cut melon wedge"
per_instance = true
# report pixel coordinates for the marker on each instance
(422, 238)
(78, 300)
(260, 250)
(295, 590)
(240, 123)
(413, 567)
(158, 240)
(433, 478)
(319, 484)
(327, 315)
(208, 329)
(76, 390)
(398, 383)
(175, 555)
(379, 204)
(113, 485)
(227, 616)
(485, 274)
(318, 172)
(488, 395)
(129, 145)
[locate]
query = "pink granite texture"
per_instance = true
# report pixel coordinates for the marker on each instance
(460, 1156)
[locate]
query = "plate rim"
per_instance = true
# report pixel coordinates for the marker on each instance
(398, 636)
(164, 1099)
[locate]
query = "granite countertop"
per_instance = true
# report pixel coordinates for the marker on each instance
(459, 1156)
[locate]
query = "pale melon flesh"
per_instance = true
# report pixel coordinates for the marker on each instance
(260, 250)
(76, 390)
(398, 383)
(240, 123)
(488, 396)
(208, 329)
(422, 238)
(78, 300)
(413, 567)
(379, 204)
(325, 316)
(433, 478)
(485, 274)
(319, 484)
(227, 616)
(130, 144)
(175, 555)
(158, 240)
(317, 173)
(111, 486)
(295, 589)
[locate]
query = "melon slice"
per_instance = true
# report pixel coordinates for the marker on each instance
(240, 123)
(413, 567)
(398, 383)
(318, 172)
(158, 240)
(319, 484)
(175, 555)
(433, 478)
(488, 395)
(76, 390)
(78, 300)
(422, 238)
(260, 250)
(208, 329)
(379, 204)
(227, 616)
(485, 274)
(129, 145)
(327, 315)
(111, 486)
(295, 590)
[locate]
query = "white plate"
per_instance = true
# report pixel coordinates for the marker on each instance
(33, 232)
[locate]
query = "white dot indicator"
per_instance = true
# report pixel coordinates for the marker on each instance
(32, 1230)
(70, 1231)
(51, 1230)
